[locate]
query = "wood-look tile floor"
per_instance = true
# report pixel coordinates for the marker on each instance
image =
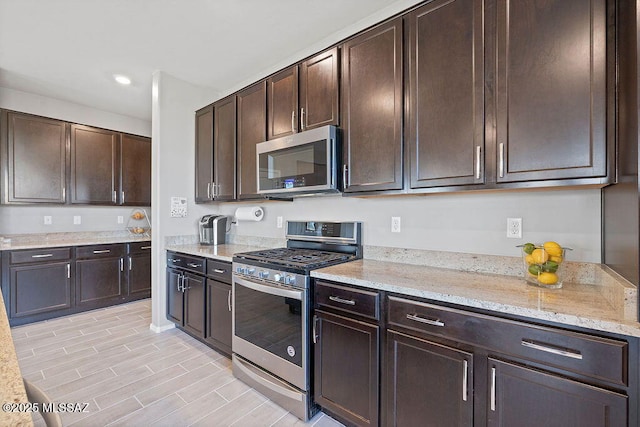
(131, 376)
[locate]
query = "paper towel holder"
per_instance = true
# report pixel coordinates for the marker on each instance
(253, 213)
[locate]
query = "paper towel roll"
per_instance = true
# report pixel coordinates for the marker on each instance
(254, 213)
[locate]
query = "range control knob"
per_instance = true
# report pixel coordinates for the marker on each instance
(290, 280)
(251, 271)
(238, 269)
(277, 277)
(263, 274)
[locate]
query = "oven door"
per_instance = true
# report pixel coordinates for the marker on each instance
(270, 329)
(300, 163)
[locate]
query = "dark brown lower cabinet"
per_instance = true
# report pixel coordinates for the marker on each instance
(346, 368)
(175, 296)
(219, 315)
(185, 301)
(98, 280)
(139, 269)
(525, 397)
(427, 383)
(39, 288)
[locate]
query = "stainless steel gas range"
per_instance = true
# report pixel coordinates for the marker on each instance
(272, 303)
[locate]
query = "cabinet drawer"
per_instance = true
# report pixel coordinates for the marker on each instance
(40, 255)
(187, 262)
(346, 299)
(139, 247)
(219, 270)
(100, 251)
(600, 358)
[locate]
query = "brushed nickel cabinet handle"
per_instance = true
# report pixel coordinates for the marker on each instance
(551, 349)
(42, 256)
(194, 265)
(229, 300)
(302, 118)
(493, 389)
(121, 264)
(114, 196)
(68, 271)
(145, 247)
(293, 118)
(130, 263)
(175, 259)
(217, 270)
(478, 152)
(105, 251)
(314, 331)
(342, 300)
(208, 190)
(64, 193)
(122, 195)
(431, 322)
(465, 376)
(345, 170)
(501, 161)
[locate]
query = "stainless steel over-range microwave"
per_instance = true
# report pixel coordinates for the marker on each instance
(300, 164)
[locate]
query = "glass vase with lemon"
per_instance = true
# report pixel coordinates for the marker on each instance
(543, 264)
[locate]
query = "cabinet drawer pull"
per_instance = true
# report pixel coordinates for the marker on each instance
(194, 265)
(175, 259)
(478, 152)
(549, 349)
(465, 373)
(431, 322)
(229, 300)
(217, 270)
(42, 256)
(105, 251)
(493, 389)
(342, 300)
(145, 247)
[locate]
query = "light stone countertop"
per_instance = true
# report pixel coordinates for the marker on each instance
(53, 240)
(584, 305)
(11, 385)
(223, 252)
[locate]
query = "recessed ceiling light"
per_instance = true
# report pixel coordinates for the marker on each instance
(123, 80)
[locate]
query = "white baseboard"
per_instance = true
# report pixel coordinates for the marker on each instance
(158, 329)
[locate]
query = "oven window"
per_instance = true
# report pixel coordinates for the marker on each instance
(273, 323)
(300, 166)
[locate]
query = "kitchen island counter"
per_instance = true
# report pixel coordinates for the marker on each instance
(607, 306)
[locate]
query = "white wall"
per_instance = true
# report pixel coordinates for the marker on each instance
(29, 219)
(173, 170)
(470, 222)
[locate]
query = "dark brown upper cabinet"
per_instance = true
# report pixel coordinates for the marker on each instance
(135, 161)
(204, 154)
(551, 90)
(372, 109)
(252, 129)
(304, 96)
(224, 149)
(94, 166)
(282, 102)
(34, 165)
(319, 102)
(444, 93)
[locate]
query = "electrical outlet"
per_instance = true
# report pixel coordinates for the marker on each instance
(395, 224)
(77, 220)
(514, 228)
(279, 222)
(120, 219)
(47, 220)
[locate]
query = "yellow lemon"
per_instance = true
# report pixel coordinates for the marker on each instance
(556, 259)
(552, 248)
(540, 256)
(529, 259)
(548, 278)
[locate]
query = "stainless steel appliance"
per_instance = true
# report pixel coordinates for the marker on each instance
(272, 302)
(300, 164)
(212, 229)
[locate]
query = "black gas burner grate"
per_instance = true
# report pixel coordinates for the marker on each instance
(305, 258)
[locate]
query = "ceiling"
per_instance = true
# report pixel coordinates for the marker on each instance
(70, 49)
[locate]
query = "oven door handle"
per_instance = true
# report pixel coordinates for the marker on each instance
(287, 293)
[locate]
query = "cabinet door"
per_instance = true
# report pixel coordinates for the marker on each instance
(99, 281)
(551, 89)
(427, 383)
(282, 103)
(175, 297)
(204, 154)
(445, 120)
(224, 149)
(39, 288)
(319, 90)
(139, 274)
(36, 159)
(526, 397)
(372, 109)
(252, 119)
(194, 304)
(136, 171)
(219, 315)
(93, 165)
(346, 368)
